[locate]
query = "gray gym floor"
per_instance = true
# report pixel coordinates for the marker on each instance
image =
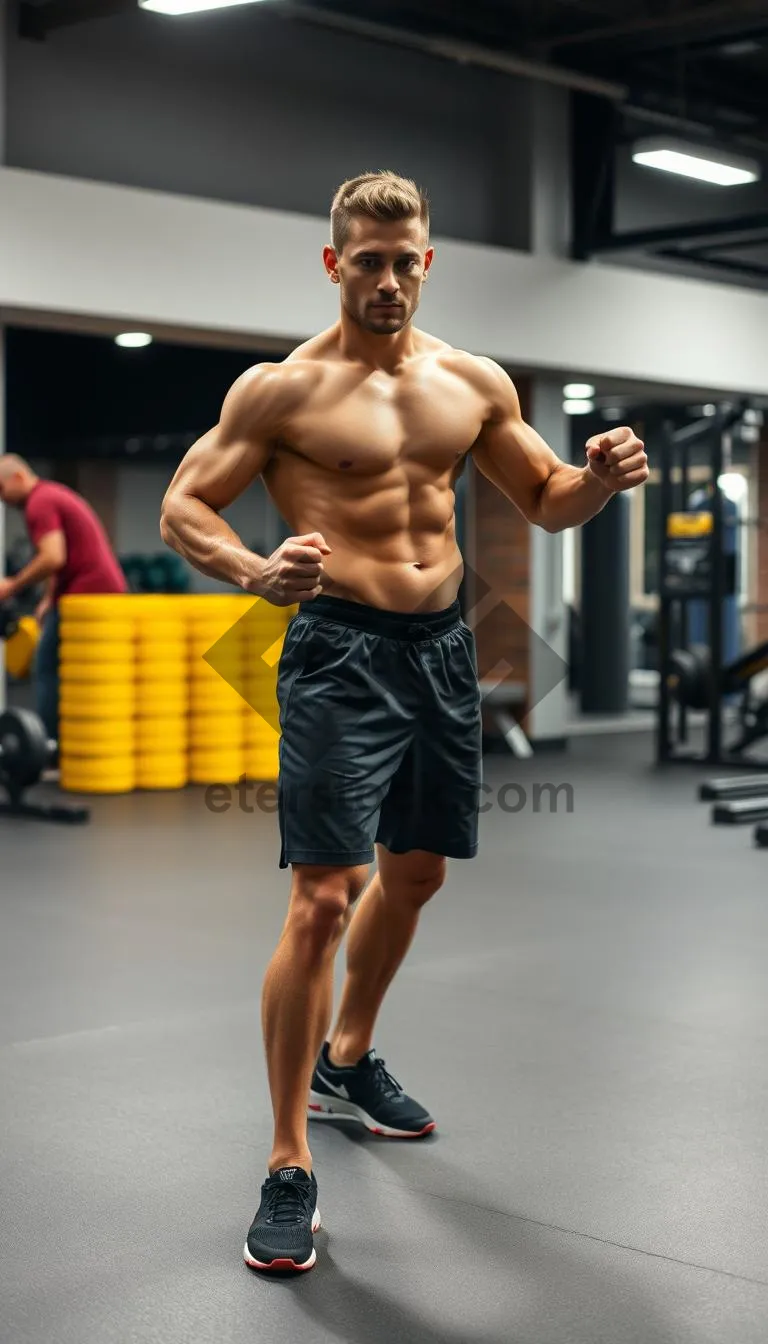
(585, 1010)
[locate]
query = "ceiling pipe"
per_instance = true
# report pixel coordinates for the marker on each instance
(463, 53)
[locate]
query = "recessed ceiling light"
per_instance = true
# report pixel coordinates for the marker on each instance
(190, 6)
(578, 406)
(133, 340)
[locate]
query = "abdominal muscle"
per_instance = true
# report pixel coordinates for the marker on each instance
(393, 585)
(392, 539)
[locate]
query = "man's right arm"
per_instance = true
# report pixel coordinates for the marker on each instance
(218, 469)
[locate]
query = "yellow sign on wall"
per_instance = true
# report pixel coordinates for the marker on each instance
(690, 525)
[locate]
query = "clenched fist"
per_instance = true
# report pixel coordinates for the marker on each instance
(293, 572)
(618, 459)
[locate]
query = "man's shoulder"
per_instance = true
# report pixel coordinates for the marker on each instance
(43, 495)
(483, 373)
(269, 391)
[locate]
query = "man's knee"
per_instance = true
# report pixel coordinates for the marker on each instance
(414, 878)
(321, 900)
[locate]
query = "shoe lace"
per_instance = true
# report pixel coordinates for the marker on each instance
(286, 1203)
(384, 1081)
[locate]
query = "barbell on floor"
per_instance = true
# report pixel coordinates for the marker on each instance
(25, 753)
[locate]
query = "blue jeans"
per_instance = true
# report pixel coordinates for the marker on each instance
(47, 674)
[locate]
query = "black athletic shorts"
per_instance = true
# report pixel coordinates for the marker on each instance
(381, 734)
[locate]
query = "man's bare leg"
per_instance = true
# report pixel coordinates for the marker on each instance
(297, 999)
(380, 934)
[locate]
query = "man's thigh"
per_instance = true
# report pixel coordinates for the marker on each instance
(342, 742)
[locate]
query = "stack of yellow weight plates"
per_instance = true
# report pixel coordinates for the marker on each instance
(216, 733)
(97, 668)
(162, 693)
(265, 628)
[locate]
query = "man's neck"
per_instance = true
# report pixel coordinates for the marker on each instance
(386, 353)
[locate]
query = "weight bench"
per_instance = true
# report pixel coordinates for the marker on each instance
(499, 698)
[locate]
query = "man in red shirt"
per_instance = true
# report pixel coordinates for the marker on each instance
(73, 556)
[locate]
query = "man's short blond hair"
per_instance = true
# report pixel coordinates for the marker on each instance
(383, 195)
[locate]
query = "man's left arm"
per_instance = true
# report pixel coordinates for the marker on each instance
(549, 492)
(51, 556)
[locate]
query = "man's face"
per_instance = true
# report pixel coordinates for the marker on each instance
(11, 488)
(381, 271)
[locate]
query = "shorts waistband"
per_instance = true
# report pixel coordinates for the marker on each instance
(408, 626)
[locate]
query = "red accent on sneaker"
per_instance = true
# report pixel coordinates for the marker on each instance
(281, 1266)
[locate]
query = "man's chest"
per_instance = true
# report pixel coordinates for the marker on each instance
(370, 425)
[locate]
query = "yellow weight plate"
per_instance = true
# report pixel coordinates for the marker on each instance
(96, 654)
(21, 647)
(83, 777)
(224, 739)
(161, 708)
(266, 768)
(83, 694)
(162, 735)
(208, 700)
(215, 767)
(170, 772)
(76, 747)
(202, 674)
(117, 733)
(94, 714)
(98, 674)
(260, 735)
(148, 677)
(120, 633)
(167, 647)
(90, 606)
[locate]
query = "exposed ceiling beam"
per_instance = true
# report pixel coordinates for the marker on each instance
(745, 268)
(678, 20)
(37, 20)
(679, 233)
(451, 49)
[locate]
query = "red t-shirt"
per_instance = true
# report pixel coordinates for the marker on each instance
(91, 565)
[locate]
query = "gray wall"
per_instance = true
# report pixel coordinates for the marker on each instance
(245, 107)
(140, 489)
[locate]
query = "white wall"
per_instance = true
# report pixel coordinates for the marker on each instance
(246, 107)
(146, 258)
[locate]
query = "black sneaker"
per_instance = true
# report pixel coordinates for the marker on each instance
(368, 1093)
(280, 1237)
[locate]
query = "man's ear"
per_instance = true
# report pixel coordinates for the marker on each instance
(331, 263)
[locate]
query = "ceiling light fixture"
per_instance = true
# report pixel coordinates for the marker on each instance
(133, 340)
(190, 6)
(578, 406)
(691, 160)
(579, 391)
